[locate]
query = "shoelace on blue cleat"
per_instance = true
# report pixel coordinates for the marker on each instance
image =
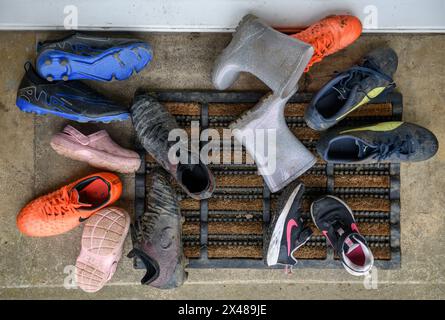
(355, 75)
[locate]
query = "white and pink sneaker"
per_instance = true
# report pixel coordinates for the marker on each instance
(97, 149)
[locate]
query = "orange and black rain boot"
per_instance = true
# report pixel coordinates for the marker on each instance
(65, 208)
(330, 35)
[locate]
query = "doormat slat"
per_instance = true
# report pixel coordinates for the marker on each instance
(226, 231)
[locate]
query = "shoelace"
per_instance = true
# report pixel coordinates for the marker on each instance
(321, 44)
(398, 146)
(355, 76)
(59, 202)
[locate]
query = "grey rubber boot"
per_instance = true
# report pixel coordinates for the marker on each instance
(275, 58)
(288, 158)
(153, 123)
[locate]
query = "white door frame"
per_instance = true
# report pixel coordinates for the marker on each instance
(215, 15)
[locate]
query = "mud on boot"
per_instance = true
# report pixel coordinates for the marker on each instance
(157, 234)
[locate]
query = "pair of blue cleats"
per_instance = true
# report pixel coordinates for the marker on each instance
(80, 57)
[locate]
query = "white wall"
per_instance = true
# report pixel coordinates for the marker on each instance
(217, 15)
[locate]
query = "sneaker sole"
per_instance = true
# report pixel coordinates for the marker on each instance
(28, 107)
(115, 63)
(273, 251)
(102, 241)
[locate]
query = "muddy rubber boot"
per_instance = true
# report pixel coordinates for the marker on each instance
(275, 58)
(157, 235)
(153, 123)
(288, 159)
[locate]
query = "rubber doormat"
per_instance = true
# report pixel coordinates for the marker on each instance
(226, 231)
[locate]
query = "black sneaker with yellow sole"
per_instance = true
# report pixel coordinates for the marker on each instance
(353, 88)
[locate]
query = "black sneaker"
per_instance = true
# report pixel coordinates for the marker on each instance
(352, 89)
(157, 235)
(153, 123)
(72, 100)
(393, 141)
(80, 56)
(286, 232)
(335, 220)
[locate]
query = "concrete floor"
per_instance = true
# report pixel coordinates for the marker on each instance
(34, 268)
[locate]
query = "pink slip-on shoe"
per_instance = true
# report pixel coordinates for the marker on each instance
(97, 149)
(102, 242)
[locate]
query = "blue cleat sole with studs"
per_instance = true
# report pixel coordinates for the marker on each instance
(116, 63)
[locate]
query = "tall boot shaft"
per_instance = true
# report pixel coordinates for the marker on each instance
(275, 58)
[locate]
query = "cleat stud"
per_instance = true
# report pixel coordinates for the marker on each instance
(65, 78)
(118, 59)
(136, 51)
(49, 78)
(48, 62)
(63, 63)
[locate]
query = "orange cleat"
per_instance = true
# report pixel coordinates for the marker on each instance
(64, 209)
(330, 35)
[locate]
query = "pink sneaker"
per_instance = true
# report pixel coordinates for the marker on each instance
(102, 242)
(97, 149)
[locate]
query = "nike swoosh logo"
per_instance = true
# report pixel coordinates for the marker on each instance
(82, 219)
(290, 224)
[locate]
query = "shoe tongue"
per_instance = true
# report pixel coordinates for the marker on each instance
(74, 199)
(342, 234)
(364, 149)
(370, 65)
(353, 249)
(350, 244)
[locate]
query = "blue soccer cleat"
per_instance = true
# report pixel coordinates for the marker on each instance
(84, 57)
(71, 100)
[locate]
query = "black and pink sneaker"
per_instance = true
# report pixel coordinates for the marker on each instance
(335, 220)
(287, 231)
